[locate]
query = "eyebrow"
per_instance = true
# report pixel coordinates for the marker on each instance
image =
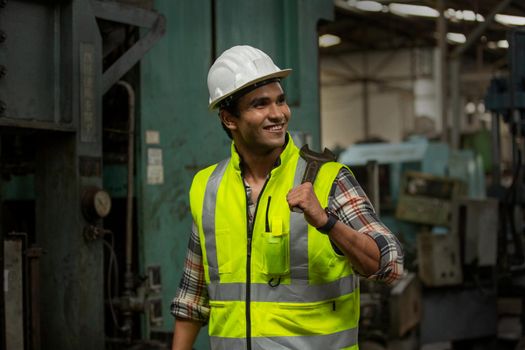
(265, 99)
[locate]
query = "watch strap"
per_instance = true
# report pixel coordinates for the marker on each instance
(332, 220)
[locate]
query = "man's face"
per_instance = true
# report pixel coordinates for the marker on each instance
(263, 120)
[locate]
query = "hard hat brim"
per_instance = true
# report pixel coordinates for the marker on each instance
(283, 73)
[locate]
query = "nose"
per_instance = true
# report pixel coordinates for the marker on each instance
(276, 111)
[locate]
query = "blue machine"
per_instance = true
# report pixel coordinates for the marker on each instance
(418, 154)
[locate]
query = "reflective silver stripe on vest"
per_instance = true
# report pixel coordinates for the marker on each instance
(338, 340)
(208, 217)
(219, 343)
(284, 292)
(298, 236)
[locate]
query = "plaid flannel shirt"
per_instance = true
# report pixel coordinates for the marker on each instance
(347, 199)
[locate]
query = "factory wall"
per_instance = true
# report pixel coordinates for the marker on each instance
(393, 82)
(174, 101)
(403, 98)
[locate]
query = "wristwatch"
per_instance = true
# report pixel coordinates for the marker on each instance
(332, 219)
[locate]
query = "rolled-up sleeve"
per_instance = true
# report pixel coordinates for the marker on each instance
(350, 203)
(191, 301)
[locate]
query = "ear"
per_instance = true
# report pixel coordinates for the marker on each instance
(228, 119)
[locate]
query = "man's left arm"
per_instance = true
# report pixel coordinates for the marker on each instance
(351, 205)
(359, 234)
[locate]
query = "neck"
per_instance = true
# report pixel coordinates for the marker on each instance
(258, 166)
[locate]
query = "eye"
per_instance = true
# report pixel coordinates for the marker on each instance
(259, 103)
(281, 100)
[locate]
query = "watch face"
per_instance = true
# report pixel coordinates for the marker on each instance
(102, 203)
(331, 213)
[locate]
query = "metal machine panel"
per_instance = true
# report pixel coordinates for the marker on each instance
(439, 259)
(415, 155)
(25, 22)
(405, 305)
(476, 220)
(458, 313)
(14, 295)
(468, 167)
(427, 199)
(279, 39)
(383, 153)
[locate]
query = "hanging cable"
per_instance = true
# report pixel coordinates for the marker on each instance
(112, 265)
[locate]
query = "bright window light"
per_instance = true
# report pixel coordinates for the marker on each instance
(470, 108)
(492, 45)
(457, 38)
(327, 40)
(510, 20)
(503, 44)
(481, 107)
(413, 10)
(372, 6)
(450, 13)
(469, 15)
(465, 15)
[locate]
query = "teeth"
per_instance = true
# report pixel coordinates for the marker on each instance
(275, 127)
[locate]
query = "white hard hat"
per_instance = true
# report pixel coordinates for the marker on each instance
(238, 68)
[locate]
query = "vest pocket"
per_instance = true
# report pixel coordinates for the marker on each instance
(325, 304)
(275, 249)
(227, 319)
(303, 319)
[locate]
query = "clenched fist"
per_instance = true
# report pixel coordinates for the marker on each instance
(303, 197)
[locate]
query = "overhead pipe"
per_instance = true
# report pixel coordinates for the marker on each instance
(443, 69)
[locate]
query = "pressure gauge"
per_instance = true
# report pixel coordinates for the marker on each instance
(96, 203)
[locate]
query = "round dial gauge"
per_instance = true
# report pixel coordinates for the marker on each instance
(102, 203)
(96, 203)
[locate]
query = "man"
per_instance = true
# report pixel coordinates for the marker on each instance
(263, 274)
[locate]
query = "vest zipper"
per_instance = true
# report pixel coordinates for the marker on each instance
(248, 265)
(267, 211)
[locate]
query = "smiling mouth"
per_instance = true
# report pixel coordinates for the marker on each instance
(278, 127)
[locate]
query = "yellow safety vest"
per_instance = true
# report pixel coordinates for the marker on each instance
(279, 285)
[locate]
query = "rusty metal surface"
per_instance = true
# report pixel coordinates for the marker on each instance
(90, 166)
(26, 99)
(14, 294)
(34, 254)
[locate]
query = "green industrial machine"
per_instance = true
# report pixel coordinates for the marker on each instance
(51, 129)
(103, 123)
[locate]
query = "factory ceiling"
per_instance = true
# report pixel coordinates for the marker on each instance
(385, 25)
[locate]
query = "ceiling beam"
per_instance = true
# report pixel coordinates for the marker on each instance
(478, 31)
